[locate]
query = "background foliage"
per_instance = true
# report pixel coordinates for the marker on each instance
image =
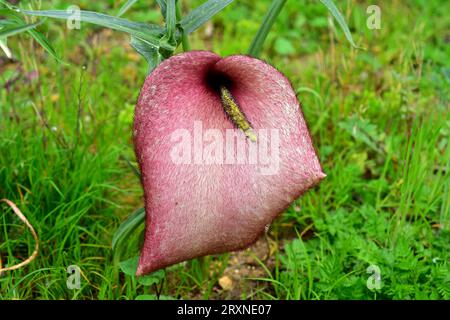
(379, 118)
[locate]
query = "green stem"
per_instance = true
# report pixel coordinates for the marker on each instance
(171, 20)
(268, 21)
(184, 36)
(185, 43)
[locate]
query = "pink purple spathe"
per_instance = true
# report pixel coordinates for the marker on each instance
(199, 209)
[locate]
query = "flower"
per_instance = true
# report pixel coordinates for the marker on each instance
(223, 149)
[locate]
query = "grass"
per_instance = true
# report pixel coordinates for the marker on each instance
(379, 118)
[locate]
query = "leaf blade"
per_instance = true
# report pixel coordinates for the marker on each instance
(43, 41)
(171, 21)
(264, 29)
(152, 278)
(162, 4)
(4, 47)
(129, 266)
(17, 28)
(340, 19)
(122, 234)
(126, 7)
(150, 54)
(202, 14)
(147, 32)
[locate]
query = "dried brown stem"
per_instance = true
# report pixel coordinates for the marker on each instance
(33, 232)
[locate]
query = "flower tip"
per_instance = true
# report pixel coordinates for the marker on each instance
(251, 135)
(140, 270)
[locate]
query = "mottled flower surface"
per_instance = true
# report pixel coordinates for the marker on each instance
(206, 193)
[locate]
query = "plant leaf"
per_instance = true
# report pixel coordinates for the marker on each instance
(125, 7)
(5, 48)
(268, 21)
(171, 21)
(340, 19)
(150, 53)
(162, 4)
(363, 131)
(129, 266)
(201, 14)
(6, 22)
(148, 33)
(16, 28)
(152, 278)
(43, 41)
(12, 14)
(16, 19)
(121, 236)
(6, 4)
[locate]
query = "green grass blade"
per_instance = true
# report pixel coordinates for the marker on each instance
(15, 29)
(268, 21)
(6, 23)
(4, 47)
(16, 21)
(202, 14)
(6, 4)
(126, 7)
(340, 19)
(13, 17)
(43, 41)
